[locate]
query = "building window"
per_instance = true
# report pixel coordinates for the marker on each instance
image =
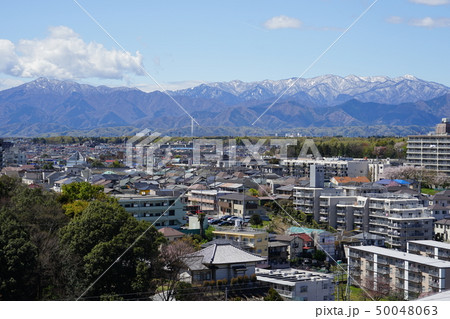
(304, 289)
(171, 212)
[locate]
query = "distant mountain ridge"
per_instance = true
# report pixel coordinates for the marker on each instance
(47, 106)
(327, 90)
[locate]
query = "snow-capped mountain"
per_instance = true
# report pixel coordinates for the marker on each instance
(324, 90)
(48, 106)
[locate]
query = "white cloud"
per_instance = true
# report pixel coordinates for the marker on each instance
(9, 83)
(64, 55)
(282, 22)
(431, 2)
(430, 22)
(395, 20)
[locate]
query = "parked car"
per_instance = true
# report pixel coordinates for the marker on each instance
(226, 223)
(214, 221)
(225, 217)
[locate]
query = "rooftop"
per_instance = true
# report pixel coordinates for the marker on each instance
(431, 243)
(403, 256)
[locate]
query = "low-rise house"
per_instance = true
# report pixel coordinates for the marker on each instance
(299, 285)
(217, 262)
(278, 254)
(295, 244)
(442, 230)
(255, 241)
(439, 205)
(171, 234)
(323, 240)
(345, 180)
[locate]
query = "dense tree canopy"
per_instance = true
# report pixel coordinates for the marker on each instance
(18, 260)
(97, 237)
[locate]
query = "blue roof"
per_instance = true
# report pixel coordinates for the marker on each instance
(402, 182)
(304, 230)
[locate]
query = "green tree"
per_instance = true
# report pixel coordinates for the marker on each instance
(273, 295)
(256, 220)
(41, 215)
(81, 191)
(18, 260)
(116, 164)
(75, 208)
(95, 240)
(253, 192)
(319, 255)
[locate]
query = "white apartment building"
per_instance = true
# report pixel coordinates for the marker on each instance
(299, 285)
(163, 211)
(431, 151)
(206, 199)
(430, 248)
(396, 217)
(331, 167)
(389, 270)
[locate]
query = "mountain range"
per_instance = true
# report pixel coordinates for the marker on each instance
(328, 103)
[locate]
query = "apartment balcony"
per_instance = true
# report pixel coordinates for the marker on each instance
(434, 284)
(383, 270)
(251, 206)
(416, 279)
(414, 269)
(381, 261)
(400, 275)
(415, 289)
(434, 273)
(302, 194)
(323, 219)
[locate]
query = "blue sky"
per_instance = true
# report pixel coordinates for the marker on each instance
(181, 43)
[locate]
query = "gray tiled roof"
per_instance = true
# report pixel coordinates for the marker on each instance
(219, 253)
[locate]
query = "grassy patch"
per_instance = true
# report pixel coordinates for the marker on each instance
(428, 191)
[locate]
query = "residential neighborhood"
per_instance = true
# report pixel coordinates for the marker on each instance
(253, 225)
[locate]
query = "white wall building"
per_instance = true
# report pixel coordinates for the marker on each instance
(299, 285)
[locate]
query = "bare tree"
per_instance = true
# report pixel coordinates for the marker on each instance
(171, 264)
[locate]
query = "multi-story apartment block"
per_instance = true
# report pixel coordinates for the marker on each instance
(205, 199)
(249, 239)
(331, 167)
(431, 151)
(430, 248)
(163, 211)
(387, 271)
(299, 285)
(239, 205)
(397, 217)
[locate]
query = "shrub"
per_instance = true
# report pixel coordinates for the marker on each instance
(253, 277)
(245, 279)
(234, 281)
